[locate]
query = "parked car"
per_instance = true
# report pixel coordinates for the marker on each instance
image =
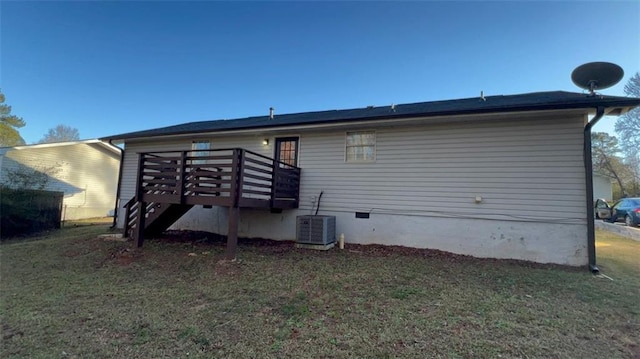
(626, 209)
(602, 209)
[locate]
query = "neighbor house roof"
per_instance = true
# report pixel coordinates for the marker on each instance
(476, 105)
(92, 142)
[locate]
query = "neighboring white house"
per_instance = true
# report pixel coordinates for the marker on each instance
(602, 187)
(498, 176)
(86, 171)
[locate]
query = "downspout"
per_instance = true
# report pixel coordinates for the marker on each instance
(588, 167)
(115, 209)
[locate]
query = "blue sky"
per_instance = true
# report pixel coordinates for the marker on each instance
(114, 67)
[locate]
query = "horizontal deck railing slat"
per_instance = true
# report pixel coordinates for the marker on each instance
(251, 191)
(212, 190)
(256, 184)
(161, 159)
(216, 177)
(257, 177)
(211, 182)
(206, 158)
(223, 173)
(260, 162)
(256, 169)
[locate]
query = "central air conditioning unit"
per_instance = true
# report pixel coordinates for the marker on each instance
(320, 230)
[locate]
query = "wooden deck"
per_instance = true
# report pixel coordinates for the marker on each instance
(170, 183)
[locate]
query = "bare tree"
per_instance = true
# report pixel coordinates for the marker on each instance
(606, 160)
(628, 125)
(633, 164)
(60, 133)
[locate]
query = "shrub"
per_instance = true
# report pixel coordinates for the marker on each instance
(24, 211)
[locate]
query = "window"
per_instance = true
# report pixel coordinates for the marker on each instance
(200, 148)
(600, 204)
(360, 146)
(618, 204)
(287, 150)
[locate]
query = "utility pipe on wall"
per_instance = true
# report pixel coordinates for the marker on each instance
(588, 167)
(118, 186)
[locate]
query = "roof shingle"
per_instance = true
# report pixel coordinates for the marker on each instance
(521, 102)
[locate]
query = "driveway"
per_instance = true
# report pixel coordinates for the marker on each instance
(619, 228)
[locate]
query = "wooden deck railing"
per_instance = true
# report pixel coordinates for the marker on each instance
(225, 177)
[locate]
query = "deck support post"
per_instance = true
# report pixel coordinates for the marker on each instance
(139, 236)
(274, 182)
(182, 181)
(232, 233)
(237, 165)
(127, 214)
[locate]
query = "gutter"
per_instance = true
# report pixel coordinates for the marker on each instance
(263, 123)
(115, 209)
(588, 168)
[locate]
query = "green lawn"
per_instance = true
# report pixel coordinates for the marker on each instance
(69, 294)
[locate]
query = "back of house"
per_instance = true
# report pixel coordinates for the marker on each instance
(497, 176)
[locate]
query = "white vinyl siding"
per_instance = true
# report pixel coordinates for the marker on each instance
(524, 170)
(86, 173)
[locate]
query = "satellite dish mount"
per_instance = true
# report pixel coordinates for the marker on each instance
(594, 76)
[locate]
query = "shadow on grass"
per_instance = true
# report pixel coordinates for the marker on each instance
(70, 292)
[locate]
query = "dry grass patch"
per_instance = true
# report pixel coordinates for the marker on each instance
(69, 294)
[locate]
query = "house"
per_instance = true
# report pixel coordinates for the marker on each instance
(86, 171)
(602, 187)
(496, 176)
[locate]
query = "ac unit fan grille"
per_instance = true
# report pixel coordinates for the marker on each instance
(316, 229)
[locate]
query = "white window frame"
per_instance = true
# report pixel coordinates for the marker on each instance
(200, 148)
(347, 146)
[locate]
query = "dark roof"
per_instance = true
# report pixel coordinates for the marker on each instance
(476, 105)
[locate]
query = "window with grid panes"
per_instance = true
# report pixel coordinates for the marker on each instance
(360, 146)
(287, 150)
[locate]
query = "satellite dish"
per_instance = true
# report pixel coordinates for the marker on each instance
(594, 76)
